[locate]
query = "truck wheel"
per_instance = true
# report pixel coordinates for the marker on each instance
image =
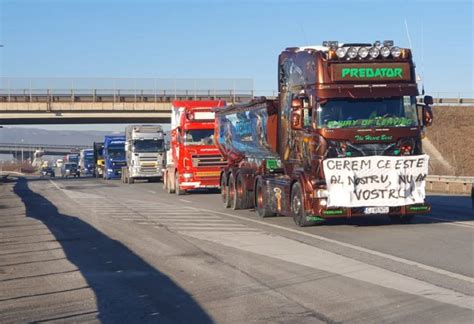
(245, 196)
(177, 190)
(261, 207)
(225, 191)
(235, 201)
(169, 185)
(297, 208)
(399, 219)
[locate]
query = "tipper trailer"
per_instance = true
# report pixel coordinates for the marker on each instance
(343, 138)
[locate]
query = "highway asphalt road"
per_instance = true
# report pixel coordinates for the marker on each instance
(86, 250)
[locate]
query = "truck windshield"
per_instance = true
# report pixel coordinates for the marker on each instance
(199, 137)
(116, 152)
(148, 146)
(367, 113)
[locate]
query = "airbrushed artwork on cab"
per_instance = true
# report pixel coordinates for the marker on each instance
(245, 132)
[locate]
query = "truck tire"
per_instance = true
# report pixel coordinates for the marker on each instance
(169, 187)
(177, 190)
(297, 208)
(399, 219)
(225, 191)
(234, 199)
(261, 207)
(245, 195)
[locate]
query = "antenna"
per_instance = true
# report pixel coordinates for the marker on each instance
(303, 32)
(422, 59)
(411, 46)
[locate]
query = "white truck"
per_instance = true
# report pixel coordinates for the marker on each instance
(144, 152)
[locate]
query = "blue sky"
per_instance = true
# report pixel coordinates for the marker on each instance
(225, 39)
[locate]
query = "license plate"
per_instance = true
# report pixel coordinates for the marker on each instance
(377, 210)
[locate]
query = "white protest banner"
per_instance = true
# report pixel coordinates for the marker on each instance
(378, 181)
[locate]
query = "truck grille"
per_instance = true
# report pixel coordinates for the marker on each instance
(215, 160)
(357, 150)
(148, 169)
(148, 158)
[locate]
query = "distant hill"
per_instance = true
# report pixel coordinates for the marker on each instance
(53, 137)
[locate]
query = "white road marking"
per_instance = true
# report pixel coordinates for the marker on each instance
(151, 191)
(186, 201)
(289, 250)
(54, 184)
(354, 247)
(469, 224)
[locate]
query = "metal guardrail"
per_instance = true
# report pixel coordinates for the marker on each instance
(450, 178)
(54, 146)
(120, 89)
(450, 184)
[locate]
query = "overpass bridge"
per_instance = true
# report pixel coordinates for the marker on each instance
(100, 100)
(27, 150)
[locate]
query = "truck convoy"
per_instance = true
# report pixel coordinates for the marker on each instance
(114, 156)
(193, 160)
(86, 162)
(98, 148)
(343, 138)
(144, 151)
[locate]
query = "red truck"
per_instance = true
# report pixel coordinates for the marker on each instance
(343, 139)
(193, 160)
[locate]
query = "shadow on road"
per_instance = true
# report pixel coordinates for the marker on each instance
(127, 289)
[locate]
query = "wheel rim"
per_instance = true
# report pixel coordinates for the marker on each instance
(296, 205)
(259, 197)
(231, 190)
(240, 190)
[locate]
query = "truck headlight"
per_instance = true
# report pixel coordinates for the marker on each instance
(110, 170)
(187, 175)
(385, 51)
(374, 52)
(341, 52)
(396, 51)
(321, 193)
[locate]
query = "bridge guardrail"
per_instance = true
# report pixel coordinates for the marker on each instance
(450, 184)
(14, 89)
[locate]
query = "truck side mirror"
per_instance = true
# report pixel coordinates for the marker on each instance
(296, 119)
(428, 100)
(427, 116)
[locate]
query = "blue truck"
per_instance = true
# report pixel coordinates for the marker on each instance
(114, 156)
